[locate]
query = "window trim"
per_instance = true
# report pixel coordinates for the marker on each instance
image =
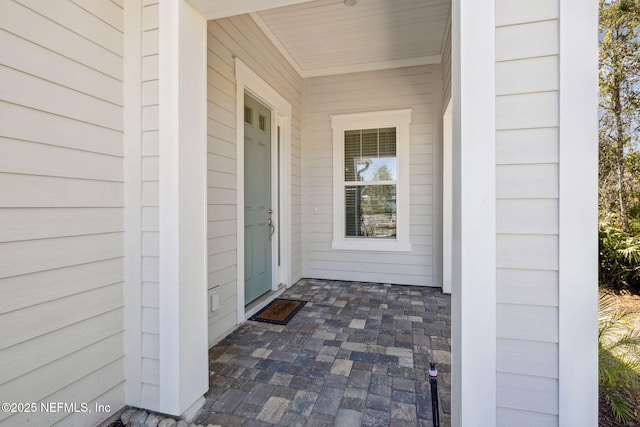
(400, 119)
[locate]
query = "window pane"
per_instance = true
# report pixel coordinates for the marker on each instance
(351, 154)
(387, 143)
(369, 143)
(370, 155)
(370, 211)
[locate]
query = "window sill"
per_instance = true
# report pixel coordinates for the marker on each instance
(366, 244)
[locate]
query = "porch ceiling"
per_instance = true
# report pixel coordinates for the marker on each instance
(325, 37)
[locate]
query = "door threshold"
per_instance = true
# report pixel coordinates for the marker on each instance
(260, 303)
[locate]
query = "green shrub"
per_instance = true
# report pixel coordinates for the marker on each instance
(619, 258)
(619, 358)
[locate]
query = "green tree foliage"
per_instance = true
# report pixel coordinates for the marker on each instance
(619, 200)
(619, 258)
(620, 110)
(619, 358)
(380, 196)
(382, 174)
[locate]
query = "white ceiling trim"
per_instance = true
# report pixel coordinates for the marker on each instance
(276, 42)
(373, 66)
(356, 68)
(216, 9)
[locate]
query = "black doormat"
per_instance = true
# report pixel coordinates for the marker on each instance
(280, 311)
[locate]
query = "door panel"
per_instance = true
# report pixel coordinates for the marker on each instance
(257, 199)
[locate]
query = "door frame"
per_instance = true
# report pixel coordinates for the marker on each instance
(249, 82)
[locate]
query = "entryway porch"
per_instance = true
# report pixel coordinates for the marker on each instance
(356, 354)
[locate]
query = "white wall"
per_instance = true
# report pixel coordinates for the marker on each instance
(150, 160)
(61, 200)
(412, 87)
(228, 38)
(527, 212)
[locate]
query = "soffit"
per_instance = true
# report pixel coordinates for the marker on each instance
(325, 37)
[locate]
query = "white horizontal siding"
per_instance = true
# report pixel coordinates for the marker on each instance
(109, 12)
(525, 357)
(150, 346)
(150, 70)
(413, 87)
(524, 111)
(527, 75)
(527, 286)
(24, 123)
(225, 318)
(513, 12)
(525, 146)
(240, 37)
(538, 181)
(529, 393)
(26, 290)
(512, 417)
(149, 100)
(47, 317)
(82, 22)
(59, 252)
(33, 25)
(527, 183)
(34, 191)
(526, 40)
(150, 369)
(56, 99)
(97, 388)
(46, 348)
(44, 223)
(61, 199)
(150, 16)
(95, 396)
(524, 216)
(31, 58)
(527, 322)
(150, 392)
(527, 251)
(38, 384)
(23, 157)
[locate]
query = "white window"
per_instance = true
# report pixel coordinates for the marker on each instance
(371, 181)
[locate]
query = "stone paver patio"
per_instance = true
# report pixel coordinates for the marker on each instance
(356, 355)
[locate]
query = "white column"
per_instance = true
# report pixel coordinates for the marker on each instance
(133, 200)
(578, 239)
(447, 137)
(183, 206)
(473, 220)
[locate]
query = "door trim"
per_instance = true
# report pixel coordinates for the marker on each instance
(249, 82)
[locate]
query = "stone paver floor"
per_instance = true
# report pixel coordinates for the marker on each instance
(357, 354)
